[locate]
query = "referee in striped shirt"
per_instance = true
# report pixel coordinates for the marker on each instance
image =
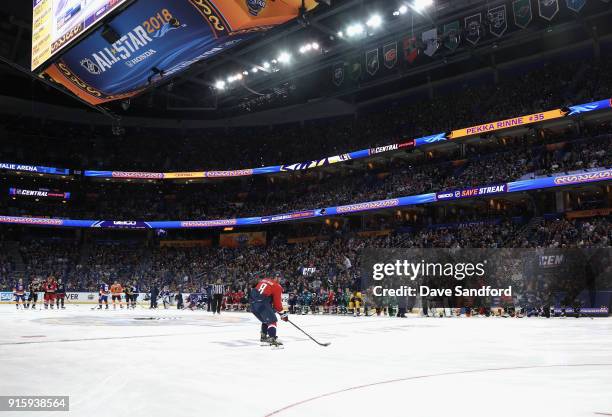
(217, 296)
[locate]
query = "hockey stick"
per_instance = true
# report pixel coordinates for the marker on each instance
(309, 336)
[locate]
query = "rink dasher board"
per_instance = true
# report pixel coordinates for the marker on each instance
(90, 298)
(7, 297)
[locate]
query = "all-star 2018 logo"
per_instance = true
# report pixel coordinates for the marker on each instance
(90, 66)
(255, 6)
(131, 49)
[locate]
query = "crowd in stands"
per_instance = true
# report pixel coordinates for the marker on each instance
(329, 263)
(38, 262)
(7, 266)
(551, 86)
(595, 232)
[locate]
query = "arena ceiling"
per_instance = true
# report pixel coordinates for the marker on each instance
(210, 89)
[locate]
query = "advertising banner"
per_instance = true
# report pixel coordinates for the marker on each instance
(121, 224)
(186, 175)
(370, 205)
(288, 216)
(588, 213)
(125, 175)
(32, 221)
(154, 39)
(472, 192)
(508, 123)
(428, 140)
(589, 107)
(560, 180)
(6, 297)
(41, 193)
(238, 240)
(71, 298)
(34, 169)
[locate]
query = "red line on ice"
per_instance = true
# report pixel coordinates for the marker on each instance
(513, 368)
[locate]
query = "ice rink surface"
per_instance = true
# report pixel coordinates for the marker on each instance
(168, 363)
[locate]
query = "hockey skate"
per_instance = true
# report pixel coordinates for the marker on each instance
(273, 341)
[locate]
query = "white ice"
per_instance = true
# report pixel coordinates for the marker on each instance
(192, 363)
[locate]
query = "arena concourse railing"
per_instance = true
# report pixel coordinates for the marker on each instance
(364, 153)
(560, 180)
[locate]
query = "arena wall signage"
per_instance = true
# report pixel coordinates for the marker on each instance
(238, 240)
(121, 224)
(511, 187)
(155, 39)
(40, 193)
(508, 123)
(472, 192)
(75, 297)
(365, 153)
(35, 169)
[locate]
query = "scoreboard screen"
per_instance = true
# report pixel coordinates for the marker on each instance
(153, 40)
(57, 23)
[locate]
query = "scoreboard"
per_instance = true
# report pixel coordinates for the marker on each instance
(115, 58)
(58, 23)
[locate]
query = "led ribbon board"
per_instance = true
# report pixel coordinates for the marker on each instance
(40, 193)
(515, 186)
(155, 39)
(529, 119)
(364, 153)
(507, 124)
(35, 169)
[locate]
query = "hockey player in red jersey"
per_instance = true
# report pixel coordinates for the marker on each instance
(265, 299)
(49, 287)
(329, 301)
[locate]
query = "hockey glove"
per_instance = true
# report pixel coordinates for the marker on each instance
(284, 316)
